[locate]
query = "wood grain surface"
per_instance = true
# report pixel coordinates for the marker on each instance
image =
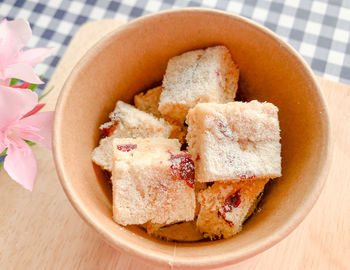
(41, 230)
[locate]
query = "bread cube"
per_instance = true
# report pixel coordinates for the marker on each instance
(127, 122)
(153, 181)
(234, 141)
(148, 102)
(197, 76)
(178, 132)
(184, 232)
(199, 186)
(226, 205)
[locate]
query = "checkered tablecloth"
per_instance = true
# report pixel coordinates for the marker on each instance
(318, 29)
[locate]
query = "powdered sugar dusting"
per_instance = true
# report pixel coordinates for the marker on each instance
(106, 125)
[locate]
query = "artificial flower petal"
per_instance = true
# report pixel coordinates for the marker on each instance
(2, 146)
(34, 56)
(14, 36)
(42, 123)
(15, 63)
(14, 104)
(21, 29)
(22, 71)
(2, 141)
(19, 117)
(4, 81)
(21, 165)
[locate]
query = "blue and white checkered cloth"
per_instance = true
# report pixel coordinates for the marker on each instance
(318, 29)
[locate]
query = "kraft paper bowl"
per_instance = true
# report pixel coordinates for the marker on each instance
(134, 58)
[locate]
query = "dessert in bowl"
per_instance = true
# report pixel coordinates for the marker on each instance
(134, 58)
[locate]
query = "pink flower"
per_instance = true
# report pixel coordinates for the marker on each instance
(15, 63)
(19, 121)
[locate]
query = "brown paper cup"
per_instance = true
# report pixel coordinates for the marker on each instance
(134, 58)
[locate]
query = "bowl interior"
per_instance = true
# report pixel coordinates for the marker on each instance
(134, 58)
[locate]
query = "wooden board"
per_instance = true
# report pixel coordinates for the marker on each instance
(41, 230)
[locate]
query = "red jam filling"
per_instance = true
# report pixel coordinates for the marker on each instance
(108, 131)
(183, 167)
(232, 201)
(126, 147)
(244, 176)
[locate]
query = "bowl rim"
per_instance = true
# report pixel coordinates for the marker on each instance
(154, 256)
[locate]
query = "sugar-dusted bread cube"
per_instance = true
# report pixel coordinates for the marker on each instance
(153, 181)
(208, 75)
(226, 205)
(234, 141)
(148, 102)
(127, 122)
(132, 122)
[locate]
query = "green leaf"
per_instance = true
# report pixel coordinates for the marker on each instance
(29, 143)
(32, 86)
(2, 158)
(14, 81)
(3, 152)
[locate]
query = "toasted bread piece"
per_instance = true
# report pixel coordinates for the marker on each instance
(180, 232)
(198, 186)
(226, 205)
(127, 122)
(153, 181)
(208, 75)
(148, 102)
(234, 141)
(178, 132)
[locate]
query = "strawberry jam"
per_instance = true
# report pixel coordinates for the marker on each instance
(107, 131)
(232, 201)
(126, 147)
(183, 167)
(244, 176)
